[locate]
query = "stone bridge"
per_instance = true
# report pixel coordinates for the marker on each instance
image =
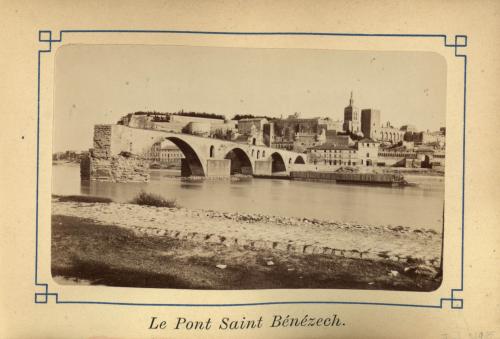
(204, 157)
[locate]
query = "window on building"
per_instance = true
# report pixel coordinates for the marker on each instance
(367, 155)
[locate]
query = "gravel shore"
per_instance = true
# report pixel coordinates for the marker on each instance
(298, 235)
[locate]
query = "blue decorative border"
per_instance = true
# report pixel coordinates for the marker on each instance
(45, 36)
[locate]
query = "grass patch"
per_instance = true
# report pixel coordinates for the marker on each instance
(83, 198)
(151, 199)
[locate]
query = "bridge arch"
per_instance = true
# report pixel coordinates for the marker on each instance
(278, 164)
(240, 161)
(192, 164)
(299, 160)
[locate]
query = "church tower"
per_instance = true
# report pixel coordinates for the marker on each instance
(352, 118)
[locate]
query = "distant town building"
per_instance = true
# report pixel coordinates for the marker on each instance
(303, 141)
(164, 153)
(333, 138)
(252, 129)
(334, 125)
(335, 155)
(170, 155)
(287, 128)
(282, 144)
(296, 133)
(367, 152)
(363, 153)
(438, 159)
(437, 138)
(390, 134)
(370, 123)
(396, 157)
(408, 128)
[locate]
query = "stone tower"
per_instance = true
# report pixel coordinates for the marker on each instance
(370, 123)
(352, 118)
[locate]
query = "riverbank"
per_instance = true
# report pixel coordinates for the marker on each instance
(285, 237)
(88, 252)
(301, 235)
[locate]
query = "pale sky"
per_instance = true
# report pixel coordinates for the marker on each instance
(97, 84)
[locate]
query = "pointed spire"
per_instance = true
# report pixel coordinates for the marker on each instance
(351, 100)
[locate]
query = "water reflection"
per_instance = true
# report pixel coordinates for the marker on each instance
(420, 206)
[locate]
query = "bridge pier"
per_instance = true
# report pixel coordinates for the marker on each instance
(215, 168)
(218, 168)
(263, 167)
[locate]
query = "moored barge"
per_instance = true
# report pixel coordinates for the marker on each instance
(385, 179)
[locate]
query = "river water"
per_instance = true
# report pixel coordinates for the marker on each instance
(420, 206)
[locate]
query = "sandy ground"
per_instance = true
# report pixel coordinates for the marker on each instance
(393, 241)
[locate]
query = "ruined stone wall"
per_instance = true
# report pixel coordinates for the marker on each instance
(102, 141)
(118, 169)
(116, 155)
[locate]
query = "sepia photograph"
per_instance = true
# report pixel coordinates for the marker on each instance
(224, 168)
